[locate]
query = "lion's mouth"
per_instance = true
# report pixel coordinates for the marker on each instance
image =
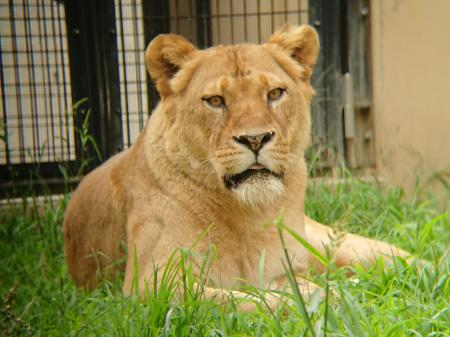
(234, 181)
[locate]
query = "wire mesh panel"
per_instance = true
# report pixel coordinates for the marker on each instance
(204, 22)
(253, 21)
(35, 83)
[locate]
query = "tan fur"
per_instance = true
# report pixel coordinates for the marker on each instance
(168, 188)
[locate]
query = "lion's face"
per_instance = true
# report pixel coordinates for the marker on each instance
(243, 111)
(254, 116)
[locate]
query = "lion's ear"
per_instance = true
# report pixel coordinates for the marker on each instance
(164, 57)
(302, 44)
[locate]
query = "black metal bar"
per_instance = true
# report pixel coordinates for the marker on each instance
(176, 17)
(58, 88)
(79, 62)
(156, 21)
(94, 73)
(192, 19)
(231, 21)
(49, 120)
(5, 115)
(203, 22)
(24, 179)
(226, 15)
(113, 141)
(272, 16)
(258, 19)
(17, 80)
(245, 22)
(32, 82)
(139, 63)
(22, 170)
(219, 33)
(125, 77)
(63, 67)
(343, 36)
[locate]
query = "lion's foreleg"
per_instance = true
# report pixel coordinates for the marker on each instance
(355, 249)
(348, 249)
(244, 301)
(264, 298)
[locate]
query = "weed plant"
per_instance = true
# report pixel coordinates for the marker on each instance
(38, 297)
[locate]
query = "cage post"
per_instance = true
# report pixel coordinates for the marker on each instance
(203, 15)
(94, 73)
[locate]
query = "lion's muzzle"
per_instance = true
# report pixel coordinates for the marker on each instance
(255, 142)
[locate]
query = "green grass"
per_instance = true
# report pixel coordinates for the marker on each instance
(39, 298)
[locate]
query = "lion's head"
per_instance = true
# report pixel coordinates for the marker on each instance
(240, 112)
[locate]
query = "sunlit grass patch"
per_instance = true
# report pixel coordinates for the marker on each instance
(39, 298)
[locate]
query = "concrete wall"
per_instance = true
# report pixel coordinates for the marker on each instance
(411, 68)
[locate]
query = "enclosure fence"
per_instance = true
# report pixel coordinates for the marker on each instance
(73, 81)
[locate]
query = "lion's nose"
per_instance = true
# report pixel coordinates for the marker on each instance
(255, 142)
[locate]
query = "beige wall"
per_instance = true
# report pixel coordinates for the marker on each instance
(411, 67)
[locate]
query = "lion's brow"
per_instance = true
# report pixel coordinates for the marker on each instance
(238, 62)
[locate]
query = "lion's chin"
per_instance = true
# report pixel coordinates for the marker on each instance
(259, 192)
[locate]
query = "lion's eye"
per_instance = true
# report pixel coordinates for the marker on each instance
(275, 94)
(215, 101)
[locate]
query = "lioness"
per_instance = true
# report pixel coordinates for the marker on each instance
(223, 149)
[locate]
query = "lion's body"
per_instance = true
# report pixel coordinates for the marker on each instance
(181, 178)
(130, 197)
